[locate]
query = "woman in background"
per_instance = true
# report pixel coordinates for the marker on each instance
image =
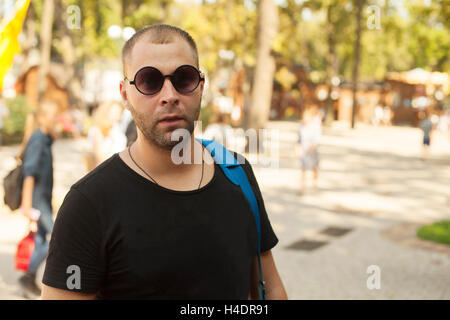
(308, 141)
(105, 137)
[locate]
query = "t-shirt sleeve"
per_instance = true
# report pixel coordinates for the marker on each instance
(268, 237)
(76, 259)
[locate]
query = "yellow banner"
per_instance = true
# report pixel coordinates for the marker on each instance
(9, 33)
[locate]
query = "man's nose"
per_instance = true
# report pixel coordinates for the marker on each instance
(168, 94)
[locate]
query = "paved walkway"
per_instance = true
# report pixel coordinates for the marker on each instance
(373, 189)
(372, 182)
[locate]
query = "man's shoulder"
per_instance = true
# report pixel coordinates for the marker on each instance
(243, 161)
(92, 192)
(99, 179)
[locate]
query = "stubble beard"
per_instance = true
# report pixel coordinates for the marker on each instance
(158, 136)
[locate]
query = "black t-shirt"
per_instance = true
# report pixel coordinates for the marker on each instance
(133, 239)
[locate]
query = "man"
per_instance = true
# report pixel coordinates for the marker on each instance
(37, 189)
(427, 127)
(142, 227)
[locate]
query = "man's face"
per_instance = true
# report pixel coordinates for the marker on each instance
(148, 110)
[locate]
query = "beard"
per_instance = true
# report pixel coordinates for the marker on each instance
(159, 135)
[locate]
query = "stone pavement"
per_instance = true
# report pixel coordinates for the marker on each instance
(371, 181)
(374, 192)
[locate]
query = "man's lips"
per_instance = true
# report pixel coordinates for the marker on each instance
(171, 119)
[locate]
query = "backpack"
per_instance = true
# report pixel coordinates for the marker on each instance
(236, 174)
(12, 186)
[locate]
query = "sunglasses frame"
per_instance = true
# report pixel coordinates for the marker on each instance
(170, 76)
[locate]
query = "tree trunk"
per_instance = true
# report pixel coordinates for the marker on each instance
(67, 49)
(46, 42)
(357, 58)
(123, 12)
(331, 65)
(265, 65)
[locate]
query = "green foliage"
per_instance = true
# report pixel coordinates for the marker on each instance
(429, 41)
(218, 25)
(18, 111)
(145, 15)
(412, 34)
(437, 232)
(418, 39)
(409, 36)
(97, 17)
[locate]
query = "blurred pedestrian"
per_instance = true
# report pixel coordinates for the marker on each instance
(131, 133)
(37, 188)
(308, 141)
(105, 137)
(387, 116)
(4, 113)
(128, 127)
(77, 117)
(378, 115)
(31, 124)
(427, 127)
(219, 130)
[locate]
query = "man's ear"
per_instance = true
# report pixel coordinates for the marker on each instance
(123, 93)
(202, 85)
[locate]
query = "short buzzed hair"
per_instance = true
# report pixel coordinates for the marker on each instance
(159, 34)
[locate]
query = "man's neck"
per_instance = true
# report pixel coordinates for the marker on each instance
(159, 160)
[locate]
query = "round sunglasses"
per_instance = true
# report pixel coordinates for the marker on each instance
(149, 80)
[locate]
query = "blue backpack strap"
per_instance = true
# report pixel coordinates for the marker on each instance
(236, 174)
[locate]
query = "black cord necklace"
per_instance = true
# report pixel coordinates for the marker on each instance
(129, 152)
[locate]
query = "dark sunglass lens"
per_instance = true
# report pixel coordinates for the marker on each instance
(149, 80)
(186, 79)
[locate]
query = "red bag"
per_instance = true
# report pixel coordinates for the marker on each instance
(24, 251)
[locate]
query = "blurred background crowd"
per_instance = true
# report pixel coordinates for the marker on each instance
(379, 62)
